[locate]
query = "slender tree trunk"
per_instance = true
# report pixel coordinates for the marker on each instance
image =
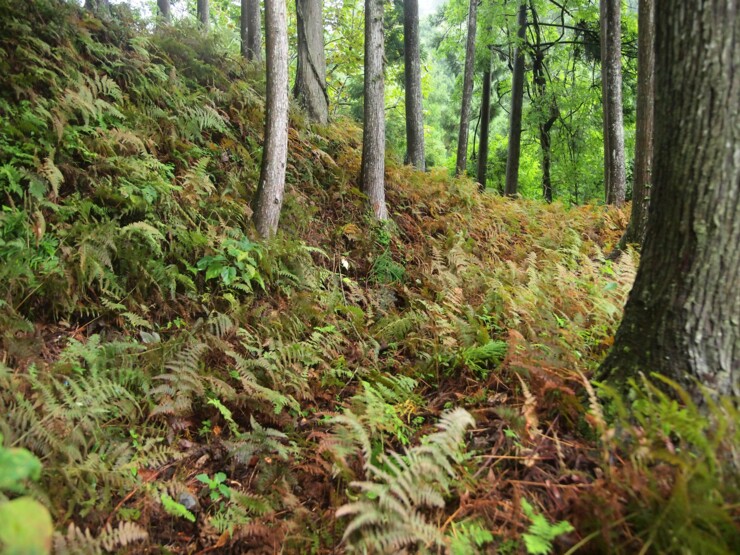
(244, 28)
(517, 102)
(271, 188)
(485, 120)
(203, 12)
(645, 122)
(412, 75)
(373, 133)
(254, 31)
(611, 78)
(467, 93)
(549, 109)
(164, 10)
(310, 79)
(682, 318)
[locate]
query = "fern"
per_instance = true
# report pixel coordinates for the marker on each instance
(77, 542)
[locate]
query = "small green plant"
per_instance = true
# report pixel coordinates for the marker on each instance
(218, 489)
(174, 508)
(539, 536)
(235, 266)
(468, 537)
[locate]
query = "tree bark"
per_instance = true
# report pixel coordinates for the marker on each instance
(254, 30)
(271, 188)
(467, 92)
(517, 102)
(310, 79)
(164, 10)
(645, 123)
(485, 120)
(244, 29)
(373, 133)
(611, 86)
(203, 12)
(412, 75)
(682, 318)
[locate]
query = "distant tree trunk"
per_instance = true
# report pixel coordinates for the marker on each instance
(682, 318)
(254, 21)
(164, 10)
(645, 122)
(611, 86)
(244, 28)
(101, 7)
(373, 133)
(203, 12)
(517, 102)
(310, 79)
(467, 92)
(271, 188)
(412, 74)
(485, 120)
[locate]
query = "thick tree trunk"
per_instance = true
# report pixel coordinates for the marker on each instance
(254, 31)
(611, 86)
(203, 12)
(310, 78)
(271, 188)
(467, 92)
(412, 75)
(645, 122)
(373, 133)
(682, 318)
(164, 10)
(485, 120)
(517, 102)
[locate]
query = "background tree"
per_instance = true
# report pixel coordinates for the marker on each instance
(310, 80)
(467, 94)
(517, 102)
(164, 10)
(254, 30)
(485, 120)
(203, 13)
(271, 187)
(412, 80)
(681, 318)
(373, 132)
(611, 87)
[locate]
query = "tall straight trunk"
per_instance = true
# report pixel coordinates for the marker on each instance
(412, 75)
(611, 86)
(244, 28)
(517, 102)
(485, 120)
(373, 133)
(310, 78)
(203, 12)
(164, 10)
(682, 318)
(254, 30)
(645, 122)
(271, 188)
(467, 92)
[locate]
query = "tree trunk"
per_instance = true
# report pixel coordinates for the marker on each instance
(412, 74)
(310, 78)
(164, 10)
(244, 28)
(682, 317)
(271, 186)
(611, 87)
(549, 107)
(373, 133)
(467, 92)
(254, 30)
(485, 120)
(203, 13)
(517, 101)
(645, 122)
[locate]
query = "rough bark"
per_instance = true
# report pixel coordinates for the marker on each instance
(467, 92)
(682, 318)
(635, 233)
(254, 22)
(271, 187)
(373, 133)
(203, 12)
(164, 10)
(412, 75)
(485, 120)
(611, 86)
(517, 101)
(310, 79)
(244, 28)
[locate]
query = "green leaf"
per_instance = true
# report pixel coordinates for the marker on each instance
(17, 465)
(25, 527)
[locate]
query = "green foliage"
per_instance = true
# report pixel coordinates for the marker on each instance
(540, 534)
(468, 537)
(174, 508)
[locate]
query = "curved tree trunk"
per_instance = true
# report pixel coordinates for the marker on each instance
(485, 120)
(611, 87)
(373, 132)
(412, 75)
(517, 101)
(203, 11)
(164, 10)
(271, 188)
(310, 78)
(467, 93)
(682, 318)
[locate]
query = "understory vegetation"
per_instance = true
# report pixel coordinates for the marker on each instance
(171, 384)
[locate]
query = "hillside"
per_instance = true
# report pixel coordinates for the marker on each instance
(189, 388)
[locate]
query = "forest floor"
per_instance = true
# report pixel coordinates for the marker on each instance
(190, 389)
